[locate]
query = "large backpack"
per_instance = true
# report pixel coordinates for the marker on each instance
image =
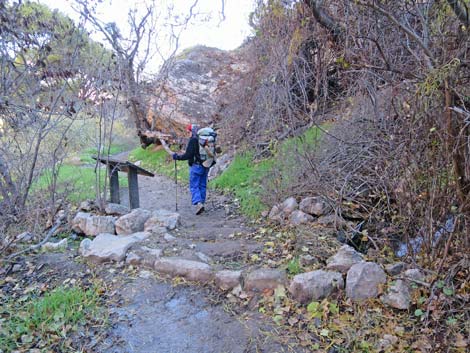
(207, 151)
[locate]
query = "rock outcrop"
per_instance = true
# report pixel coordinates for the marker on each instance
(192, 89)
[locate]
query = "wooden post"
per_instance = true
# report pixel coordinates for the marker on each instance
(113, 183)
(133, 188)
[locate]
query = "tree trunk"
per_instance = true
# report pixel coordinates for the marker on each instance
(455, 145)
(324, 19)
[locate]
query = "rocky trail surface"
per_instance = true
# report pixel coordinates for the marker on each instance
(173, 281)
(154, 315)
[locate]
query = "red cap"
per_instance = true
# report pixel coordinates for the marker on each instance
(189, 127)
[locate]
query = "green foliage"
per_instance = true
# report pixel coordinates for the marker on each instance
(244, 179)
(31, 321)
(293, 267)
(160, 162)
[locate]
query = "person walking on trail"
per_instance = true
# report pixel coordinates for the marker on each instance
(197, 172)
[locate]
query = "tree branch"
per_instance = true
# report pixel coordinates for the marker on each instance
(324, 19)
(461, 11)
(404, 28)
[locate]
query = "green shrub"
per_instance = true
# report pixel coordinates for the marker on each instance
(293, 267)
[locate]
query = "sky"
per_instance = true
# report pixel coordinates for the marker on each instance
(208, 27)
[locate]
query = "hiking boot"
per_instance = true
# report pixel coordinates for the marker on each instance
(199, 208)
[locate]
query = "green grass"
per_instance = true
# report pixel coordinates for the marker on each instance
(79, 181)
(244, 178)
(159, 161)
(305, 142)
(85, 155)
(31, 322)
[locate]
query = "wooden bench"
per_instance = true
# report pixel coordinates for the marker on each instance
(114, 166)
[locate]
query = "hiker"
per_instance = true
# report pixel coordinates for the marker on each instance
(197, 172)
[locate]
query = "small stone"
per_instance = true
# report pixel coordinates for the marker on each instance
(264, 278)
(132, 222)
(315, 285)
(133, 259)
(298, 217)
(343, 259)
(314, 206)
(289, 206)
(331, 221)
(16, 268)
(227, 279)
(143, 255)
(163, 218)
(191, 270)
(85, 223)
(307, 260)
(55, 246)
(87, 206)
(363, 280)
(414, 274)
(275, 214)
(107, 247)
(395, 268)
(116, 209)
(398, 295)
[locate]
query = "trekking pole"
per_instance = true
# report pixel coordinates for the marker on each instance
(176, 187)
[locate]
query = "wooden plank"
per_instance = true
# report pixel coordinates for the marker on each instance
(113, 184)
(124, 166)
(133, 189)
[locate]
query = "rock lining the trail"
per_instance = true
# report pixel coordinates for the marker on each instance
(315, 285)
(188, 269)
(92, 225)
(109, 247)
(132, 222)
(264, 278)
(346, 269)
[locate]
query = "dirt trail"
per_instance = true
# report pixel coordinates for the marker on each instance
(157, 317)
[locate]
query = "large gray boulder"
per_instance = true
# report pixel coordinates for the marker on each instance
(109, 247)
(363, 281)
(194, 89)
(343, 259)
(191, 270)
(132, 222)
(315, 285)
(91, 225)
(264, 278)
